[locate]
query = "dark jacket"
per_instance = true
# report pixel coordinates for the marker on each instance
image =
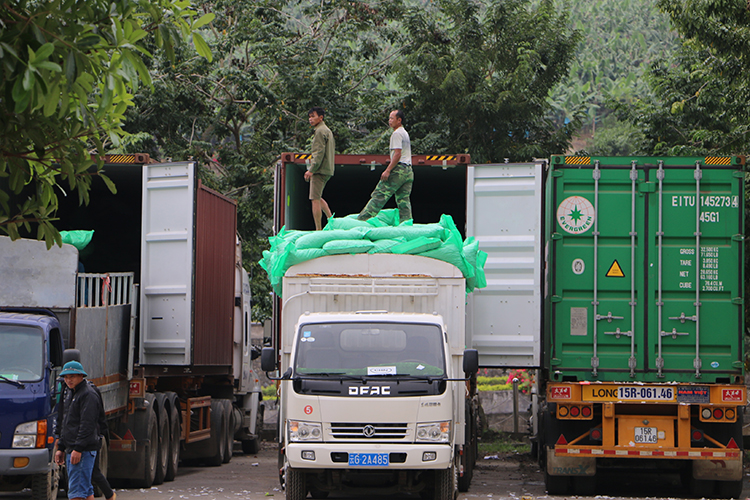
(80, 426)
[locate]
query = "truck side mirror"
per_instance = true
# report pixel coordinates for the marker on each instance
(268, 359)
(471, 361)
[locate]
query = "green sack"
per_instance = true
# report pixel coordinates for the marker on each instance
(408, 232)
(78, 238)
(316, 239)
(384, 246)
(417, 245)
(348, 222)
(347, 246)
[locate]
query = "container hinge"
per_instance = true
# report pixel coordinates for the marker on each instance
(556, 236)
(555, 361)
(595, 365)
(608, 317)
(737, 364)
(618, 333)
(682, 317)
(738, 237)
(738, 301)
(557, 173)
(738, 174)
(556, 298)
(674, 333)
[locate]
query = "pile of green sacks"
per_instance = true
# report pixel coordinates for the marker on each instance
(380, 234)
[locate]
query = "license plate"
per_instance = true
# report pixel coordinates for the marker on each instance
(647, 435)
(641, 392)
(368, 459)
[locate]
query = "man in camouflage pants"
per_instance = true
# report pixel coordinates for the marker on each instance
(398, 177)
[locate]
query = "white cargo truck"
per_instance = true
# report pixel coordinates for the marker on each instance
(373, 389)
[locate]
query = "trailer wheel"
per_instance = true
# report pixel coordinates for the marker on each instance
(218, 432)
(729, 489)
(46, 486)
(175, 433)
(149, 466)
(229, 431)
(162, 458)
(295, 484)
(702, 488)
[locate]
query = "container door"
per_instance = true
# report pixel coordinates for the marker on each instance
(504, 214)
(696, 272)
(167, 263)
(598, 294)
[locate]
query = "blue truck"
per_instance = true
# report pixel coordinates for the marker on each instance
(158, 308)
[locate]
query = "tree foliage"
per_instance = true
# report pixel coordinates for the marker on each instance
(68, 70)
(477, 76)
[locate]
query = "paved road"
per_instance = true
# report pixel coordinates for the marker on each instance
(512, 477)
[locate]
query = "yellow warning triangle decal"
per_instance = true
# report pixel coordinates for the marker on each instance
(615, 271)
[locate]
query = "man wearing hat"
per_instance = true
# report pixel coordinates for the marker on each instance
(79, 436)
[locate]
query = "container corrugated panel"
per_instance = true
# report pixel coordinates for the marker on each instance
(215, 233)
(645, 270)
(504, 214)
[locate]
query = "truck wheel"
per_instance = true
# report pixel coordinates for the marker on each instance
(556, 485)
(175, 433)
(295, 484)
(45, 486)
(584, 486)
(251, 446)
(162, 457)
(229, 434)
(702, 488)
(218, 431)
(149, 466)
(729, 489)
(446, 483)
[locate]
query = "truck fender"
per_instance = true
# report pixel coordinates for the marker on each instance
(569, 466)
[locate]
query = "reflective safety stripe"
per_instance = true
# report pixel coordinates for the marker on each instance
(702, 454)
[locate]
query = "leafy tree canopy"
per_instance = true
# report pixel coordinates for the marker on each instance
(68, 71)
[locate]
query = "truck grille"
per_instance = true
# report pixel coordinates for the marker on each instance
(368, 431)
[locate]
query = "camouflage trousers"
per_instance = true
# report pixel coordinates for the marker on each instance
(399, 184)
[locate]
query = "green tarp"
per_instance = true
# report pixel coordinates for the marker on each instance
(381, 234)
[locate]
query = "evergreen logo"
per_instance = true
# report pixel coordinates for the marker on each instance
(575, 215)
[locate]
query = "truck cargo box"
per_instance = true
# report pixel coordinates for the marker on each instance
(645, 272)
(498, 204)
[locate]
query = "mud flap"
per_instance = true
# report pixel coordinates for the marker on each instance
(570, 466)
(719, 469)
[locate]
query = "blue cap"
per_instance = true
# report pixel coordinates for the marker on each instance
(73, 368)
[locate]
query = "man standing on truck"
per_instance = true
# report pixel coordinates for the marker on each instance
(398, 177)
(321, 166)
(79, 437)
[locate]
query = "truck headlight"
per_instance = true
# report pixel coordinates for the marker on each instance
(437, 432)
(30, 434)
(304, 431)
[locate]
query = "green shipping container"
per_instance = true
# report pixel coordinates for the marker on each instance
(644, 270)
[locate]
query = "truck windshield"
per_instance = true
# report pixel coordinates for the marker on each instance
(374, 349)
(21, 353)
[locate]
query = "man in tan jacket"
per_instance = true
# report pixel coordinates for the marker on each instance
(322, 164)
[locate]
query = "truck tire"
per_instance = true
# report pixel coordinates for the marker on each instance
(218, 431)
(468, 457)
(229, 431)
(149, 464)
(162, 456)
(175, 433)
(446, 483)
(295, 484)
(46, 486)
(729, 489)
(251, 446)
